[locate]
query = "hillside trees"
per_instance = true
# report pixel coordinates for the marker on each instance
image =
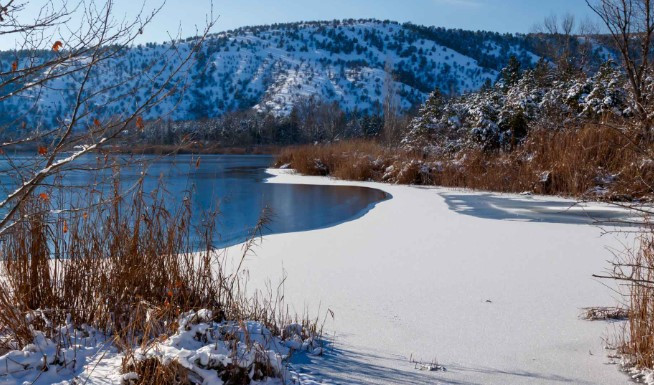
(312, 120)
(500, 116)
(235, 70)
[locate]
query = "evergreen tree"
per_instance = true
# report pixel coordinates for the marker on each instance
(487, 86)
(542, 73)
(424, 128)
(510, 75)
(607, 95)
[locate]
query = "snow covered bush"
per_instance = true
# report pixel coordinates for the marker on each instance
(200, 351)
(203, 351)
(607, 95)
(428, 124)
(500, 116)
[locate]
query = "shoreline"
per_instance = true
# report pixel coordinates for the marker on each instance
(411, 280)
(197, 149)
(157, 149)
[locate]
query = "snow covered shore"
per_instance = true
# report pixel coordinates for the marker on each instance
(489, 286)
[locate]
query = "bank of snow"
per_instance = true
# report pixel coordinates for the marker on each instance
(489, 286)
(206, 350)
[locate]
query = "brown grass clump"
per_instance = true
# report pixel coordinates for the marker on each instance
(562, 162)
(604, 314)
(352, 160)
(594, 161)
(128, 268)
(107, 268)
(151, 371)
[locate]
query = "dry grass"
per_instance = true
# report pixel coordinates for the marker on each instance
(346, 159)
(633, 270)
(569, 162)
(574, 162)
(604, 314)
(112, 265)
(152, 372)
(638, 271)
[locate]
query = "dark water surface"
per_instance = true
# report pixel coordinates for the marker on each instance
(235, 185)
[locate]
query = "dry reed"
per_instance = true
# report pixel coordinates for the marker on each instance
(128, 269)
(638, 271)
(593, 161)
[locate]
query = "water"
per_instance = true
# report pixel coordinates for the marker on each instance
(235, 185)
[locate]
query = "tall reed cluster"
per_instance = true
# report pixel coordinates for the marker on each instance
(126, 264)
(106, 266)
(636, 271)
(595, 161)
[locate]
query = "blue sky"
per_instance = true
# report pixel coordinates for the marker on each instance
(494, 15)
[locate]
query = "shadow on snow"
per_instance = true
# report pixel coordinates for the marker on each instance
(490, 206)
(342, 365)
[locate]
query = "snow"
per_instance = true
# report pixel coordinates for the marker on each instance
(488, 288)
(200, 345)
(43, 362)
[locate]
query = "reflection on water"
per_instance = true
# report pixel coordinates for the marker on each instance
(235, 185)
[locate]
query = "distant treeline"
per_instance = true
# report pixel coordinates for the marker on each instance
(309, 122)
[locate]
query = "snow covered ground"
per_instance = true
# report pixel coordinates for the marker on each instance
(490, 286)
(206, 348)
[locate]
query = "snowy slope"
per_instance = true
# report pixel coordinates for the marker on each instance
(270, 68)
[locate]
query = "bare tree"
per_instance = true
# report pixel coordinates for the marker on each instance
(559, 41)
(63, 50)
(631, 25)
(565, 27)
(390, 131)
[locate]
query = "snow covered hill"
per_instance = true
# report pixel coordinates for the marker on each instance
(354, 63)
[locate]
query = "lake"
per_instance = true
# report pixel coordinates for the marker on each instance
(235, 184)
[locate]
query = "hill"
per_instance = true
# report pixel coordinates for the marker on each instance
(354, 63)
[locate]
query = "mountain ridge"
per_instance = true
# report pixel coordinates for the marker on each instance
(272, 68)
